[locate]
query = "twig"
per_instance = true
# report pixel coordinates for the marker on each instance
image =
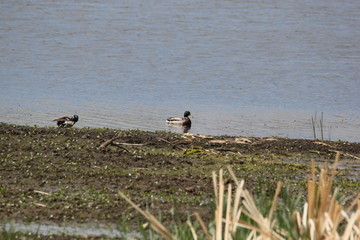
(40, 204)
(116, 145)
(170, 143)
(41, 192)
(129, 144)
(203, 226)
(106, 143)
(334, 150)
(346, 154)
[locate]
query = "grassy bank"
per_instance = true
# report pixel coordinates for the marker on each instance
(63, 176)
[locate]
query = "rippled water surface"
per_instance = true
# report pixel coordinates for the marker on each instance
(47, 229)
(251, 68)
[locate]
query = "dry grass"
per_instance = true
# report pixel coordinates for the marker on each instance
(322, 216)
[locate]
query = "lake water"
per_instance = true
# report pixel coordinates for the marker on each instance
(80, 230)
(250, 68)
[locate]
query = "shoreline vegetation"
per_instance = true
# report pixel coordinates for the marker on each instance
(74, 175)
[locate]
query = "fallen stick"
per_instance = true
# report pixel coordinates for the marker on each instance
(346, 154)
(40, 204)
(119, 146)
(129, 144)
(170, 143)
(41, 192)
(106, 143)
(334, 150)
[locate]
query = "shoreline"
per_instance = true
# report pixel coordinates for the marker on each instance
(49, 174)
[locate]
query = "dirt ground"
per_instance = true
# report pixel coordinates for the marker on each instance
(61, 175)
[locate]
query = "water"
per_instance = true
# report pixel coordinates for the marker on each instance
(250, 68)
(83, 230)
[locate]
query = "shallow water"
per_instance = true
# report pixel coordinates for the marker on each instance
(251, 68)
(48, 229)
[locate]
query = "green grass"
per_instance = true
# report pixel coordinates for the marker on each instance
(268, 215)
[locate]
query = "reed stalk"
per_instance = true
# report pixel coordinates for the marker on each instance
(320, 125)
(321, 121)
(320, 218)
(313, 124)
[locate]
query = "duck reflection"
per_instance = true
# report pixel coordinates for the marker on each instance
(180, 128)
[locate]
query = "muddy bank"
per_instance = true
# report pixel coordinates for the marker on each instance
(61, 175)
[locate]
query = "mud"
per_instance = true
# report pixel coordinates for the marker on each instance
(62, 176)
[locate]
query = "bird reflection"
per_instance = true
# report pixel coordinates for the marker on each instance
(183, 128)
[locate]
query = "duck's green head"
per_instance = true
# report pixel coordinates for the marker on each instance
(187, 114)
(76, 118)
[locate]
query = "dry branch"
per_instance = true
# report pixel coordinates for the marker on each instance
(172, 144)
(106, 143)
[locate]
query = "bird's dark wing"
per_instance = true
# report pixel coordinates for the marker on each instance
(64, 118)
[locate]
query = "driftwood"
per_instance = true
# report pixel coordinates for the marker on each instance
(345, 154)
(41, 192)
(334, 150)
(40, 204)
(174, 144)
(106, 143)
(117, 144)
(128, 144)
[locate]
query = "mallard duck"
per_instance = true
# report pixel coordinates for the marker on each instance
(66, 122)
(185, 121)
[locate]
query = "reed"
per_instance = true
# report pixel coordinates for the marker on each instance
(321, 121)
(320, 125)
(313, 124)
(237, 216)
